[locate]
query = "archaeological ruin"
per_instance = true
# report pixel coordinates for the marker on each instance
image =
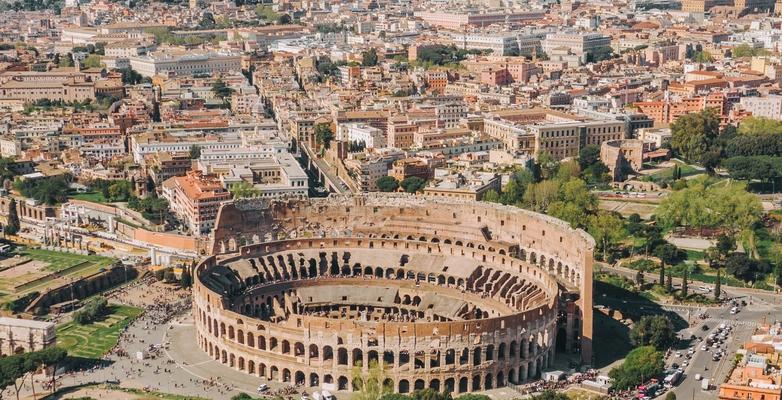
(446, 294)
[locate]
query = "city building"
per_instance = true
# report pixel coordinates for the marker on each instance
(185, 63)
(195, 199)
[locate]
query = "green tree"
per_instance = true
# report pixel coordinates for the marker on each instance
(49, 190)
(607, 229)
(703, 56)
(548, 165)
(12, 227)
(550, 395)
(169, 276)
(718, 286)
(243, 190)
(539, 196)
(574, 204)
(369, 57)
(693, 135)
(373, 384)
(413, 184)
(491, 197)
(221, 90)
(668, 254)
(186, 280)
(93, 309)
(685, 284)
(387, 184)
(284, 19)
(588, 156)
(324, 135)
(641, 364)
(120, 190)
(66, 61)
(669, 283)
(93, 61)
(195, 152)
(653, 330)
(759, 126)
(670, 396)
(662, 274)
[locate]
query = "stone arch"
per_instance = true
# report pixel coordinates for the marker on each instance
(313, 351)
(298, 349)
(314, 381)
(420, 384)
(358, 357)
(463, 385)
(404, 386)
(261, 342)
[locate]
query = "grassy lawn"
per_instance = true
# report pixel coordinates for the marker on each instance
(95, 197)
(667, 174)
(94, 340)
(59, 261)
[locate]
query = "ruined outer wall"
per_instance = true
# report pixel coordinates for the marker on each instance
(562, 251)
(460, 356)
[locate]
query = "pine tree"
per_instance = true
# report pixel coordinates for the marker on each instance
(718, 287)
(186, 281)
(13, 219)
(662, 274)
(669, 283)
(685, 289)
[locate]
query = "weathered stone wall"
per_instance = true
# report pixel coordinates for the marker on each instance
(316, 350)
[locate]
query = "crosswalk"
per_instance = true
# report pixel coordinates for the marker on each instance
(752, 324)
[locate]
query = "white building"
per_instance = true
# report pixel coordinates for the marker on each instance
(768, 107)
(190, 63)
(577, 43)
(362, 133)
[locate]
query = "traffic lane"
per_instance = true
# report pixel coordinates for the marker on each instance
(730, 291)
(699, 364)
(703, 363)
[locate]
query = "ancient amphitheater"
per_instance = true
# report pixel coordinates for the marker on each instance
(443, 294)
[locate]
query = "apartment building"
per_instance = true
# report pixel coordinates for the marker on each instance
(273, 177)
(560, 134)
(461, 19)
(500, 44)
(668, 110)
(370, 136)
(57, 91)
(468, 185)
(186, 63)
(769, 106)
(195, 199)
(164, 165)
(581, 44)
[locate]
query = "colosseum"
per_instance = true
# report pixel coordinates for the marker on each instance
(444, 294)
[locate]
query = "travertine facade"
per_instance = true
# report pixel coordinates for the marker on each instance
(24, 335)
(445, 294)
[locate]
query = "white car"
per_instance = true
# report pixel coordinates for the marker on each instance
(263, 387)
(704, 348)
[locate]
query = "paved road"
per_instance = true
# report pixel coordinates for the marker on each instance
(730, 291)
(744, 324)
